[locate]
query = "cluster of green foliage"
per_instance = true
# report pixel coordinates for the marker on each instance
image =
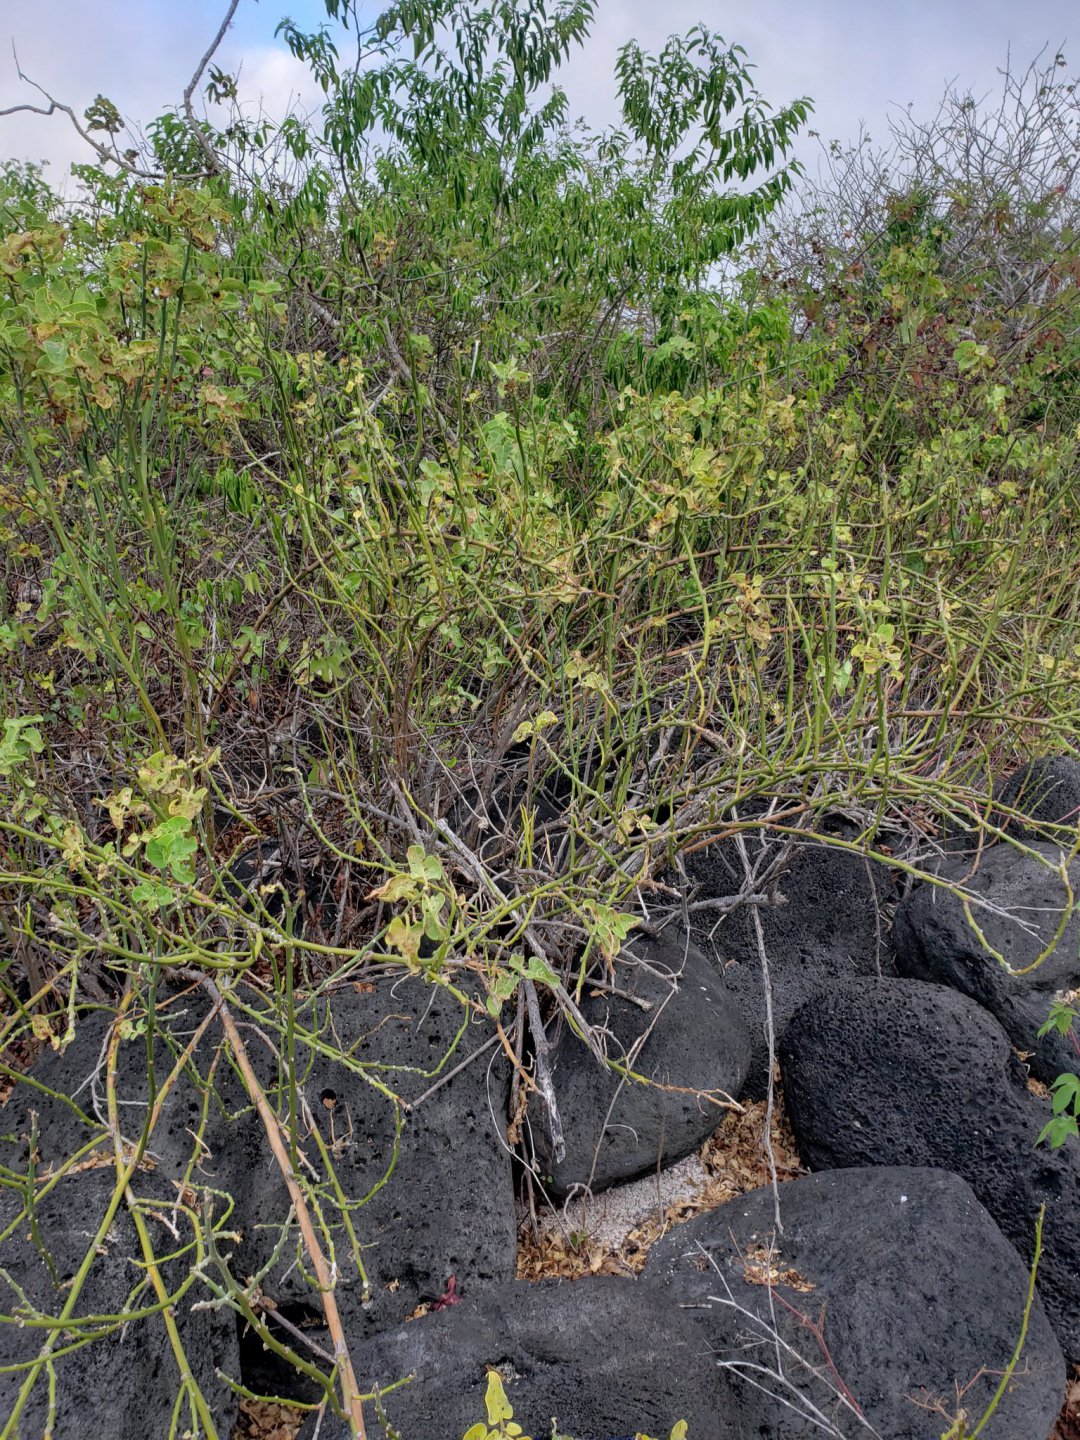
(434, 440)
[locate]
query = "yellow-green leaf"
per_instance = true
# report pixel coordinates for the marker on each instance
(528, 728)
(498, 1406)
(398, 887)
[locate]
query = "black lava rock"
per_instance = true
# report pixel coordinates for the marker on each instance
(900, 1072)
(263, 882)
(935, 940)
(915, 1294)
(830, 927)
(429, 1190)
(617, 1129)
(1047, 791)
(125, 1381)
(605, 1357)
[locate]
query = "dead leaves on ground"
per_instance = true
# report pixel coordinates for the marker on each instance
(261, 1420)
(735, 1161)
(1068, 1425)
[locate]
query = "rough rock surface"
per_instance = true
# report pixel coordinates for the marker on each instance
(914, 1289)
(935, 940)
(618, 1129)
(447, 1205)
(65, 1089)
(830, 927)
(1047, 790)
(131, 1377)
(900, 1072)
(605, 1357)
(125, 1383)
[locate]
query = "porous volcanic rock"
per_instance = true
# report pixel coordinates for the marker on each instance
(1046, 790)
(829, 927)
(54, 1120)
(913, 1288)
(63, 1095)
(935, 940)
(125, 1382)
(901, 1072)
(430, 1188)
(617, 1129)
(606, 1357)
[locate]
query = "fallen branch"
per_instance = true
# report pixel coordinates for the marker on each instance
(770, 1029)
(544, 1082)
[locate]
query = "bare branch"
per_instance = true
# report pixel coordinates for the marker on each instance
(208, 150)
(770, 1028)
(109, 156)
(350, 1391)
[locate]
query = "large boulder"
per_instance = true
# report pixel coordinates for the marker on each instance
(604, 1357)
(889, 1289)
(900, 1072)
(425, 1179)
(128, 1375)
(689, 1044)
(1047, 791)
(54, 1123)
(829, 927)
(421, 1189)
(1018, 902)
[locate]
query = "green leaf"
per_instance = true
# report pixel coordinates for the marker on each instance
(1066, 1094)
(608, 927)
(1058, 1131)
(528, 728)
(431, 907)
(20, 740)
(423, 866)
(152, 894)
(170, 845)
(1061, 1019)
(404, 938)
(968, 355)
(537, 969)
(504, 985)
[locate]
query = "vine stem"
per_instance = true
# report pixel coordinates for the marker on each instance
(350, 1391)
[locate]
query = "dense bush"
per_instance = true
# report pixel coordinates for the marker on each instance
(425, 463)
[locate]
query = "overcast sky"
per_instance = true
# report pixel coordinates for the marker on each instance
(854, 58)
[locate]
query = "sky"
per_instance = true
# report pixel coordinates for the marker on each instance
(859, 60)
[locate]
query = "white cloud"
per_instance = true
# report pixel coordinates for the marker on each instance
(272, 77)
(76, 50)
(854, 57)
(138, 54)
